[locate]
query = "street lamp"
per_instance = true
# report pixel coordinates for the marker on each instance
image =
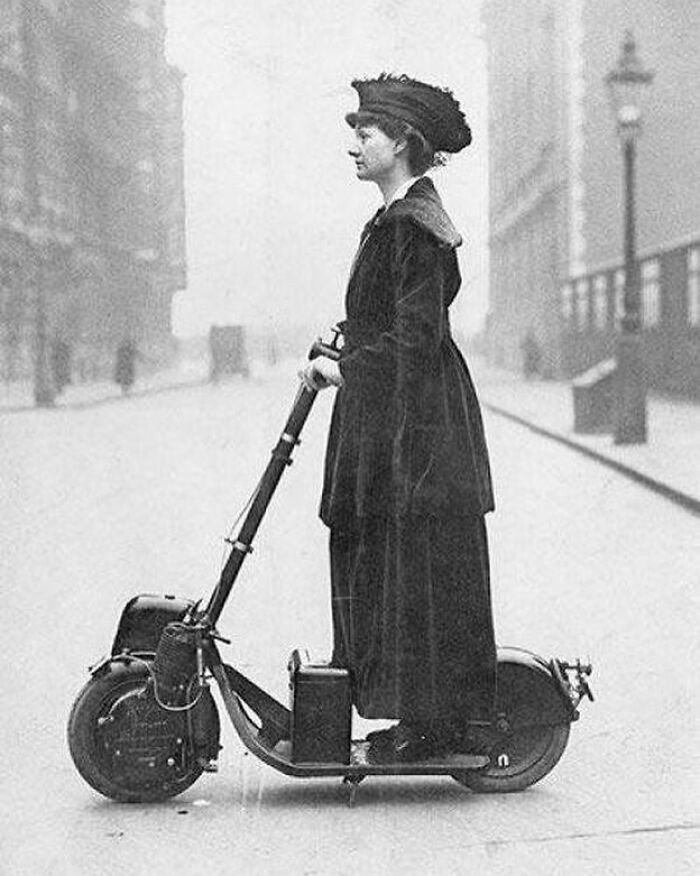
(626, 84)
(44, 243)
(44, 391)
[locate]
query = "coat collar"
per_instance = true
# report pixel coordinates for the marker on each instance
(423, 204)
(402, 190)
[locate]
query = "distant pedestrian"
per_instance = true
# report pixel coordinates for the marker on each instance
(532, 355)
(125, 364)
(60, 365)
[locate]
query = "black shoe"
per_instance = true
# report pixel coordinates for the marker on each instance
(381, 745)
(402, 743)
(415, 744)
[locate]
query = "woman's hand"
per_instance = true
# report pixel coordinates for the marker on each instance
(320, 374)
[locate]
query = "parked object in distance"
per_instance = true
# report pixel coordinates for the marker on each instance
(227, 351)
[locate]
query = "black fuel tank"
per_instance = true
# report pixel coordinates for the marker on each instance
(321, 703)
(143, 620)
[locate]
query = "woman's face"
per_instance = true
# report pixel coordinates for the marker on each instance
(374, 153)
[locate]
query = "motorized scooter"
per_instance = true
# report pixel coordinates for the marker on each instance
(145, 726)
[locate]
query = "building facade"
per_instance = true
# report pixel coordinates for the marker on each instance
(556, 183)
(591, 306)
(527, 177)
(91, 182)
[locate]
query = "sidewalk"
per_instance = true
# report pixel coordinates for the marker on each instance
(669, 463)
(19, 396)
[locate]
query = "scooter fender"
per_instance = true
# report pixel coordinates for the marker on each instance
(551, 703)
(143, 619)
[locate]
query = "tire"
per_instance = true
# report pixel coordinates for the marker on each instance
(124, 745)
(525, 751)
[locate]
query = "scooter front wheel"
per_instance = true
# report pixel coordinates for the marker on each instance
(123, 744)
(523, 743)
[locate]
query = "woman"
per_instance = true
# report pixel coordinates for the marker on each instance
(407, 480)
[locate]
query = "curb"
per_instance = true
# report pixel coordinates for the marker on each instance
(107, 399)
(683, 500)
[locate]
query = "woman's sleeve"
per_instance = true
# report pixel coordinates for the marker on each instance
(419, 322)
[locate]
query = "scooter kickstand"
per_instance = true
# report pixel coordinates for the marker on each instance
(353, 781)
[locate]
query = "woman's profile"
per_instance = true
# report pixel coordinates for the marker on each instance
(407, 482)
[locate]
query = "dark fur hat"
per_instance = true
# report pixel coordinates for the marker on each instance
(431, 110)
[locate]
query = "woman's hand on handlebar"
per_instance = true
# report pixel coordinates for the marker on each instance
(320, 374)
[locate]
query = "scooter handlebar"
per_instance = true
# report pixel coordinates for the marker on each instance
(330, 351)
(318, 348)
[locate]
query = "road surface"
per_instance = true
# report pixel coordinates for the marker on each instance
(136, 496)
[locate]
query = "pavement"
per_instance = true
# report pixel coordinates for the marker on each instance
(18, 396)
(134, 496)
(668, 463)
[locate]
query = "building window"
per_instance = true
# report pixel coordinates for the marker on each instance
(12, 172)
(619, 296)
(14, 319)
(600, 302)
(11, 35)
(651, 294)
(52, 6)
(51, 169)
(694, 285)
(72, 102)
(48, 63)
(567, 304)
(582, 305)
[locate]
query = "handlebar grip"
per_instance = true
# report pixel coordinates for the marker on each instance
(318, 348)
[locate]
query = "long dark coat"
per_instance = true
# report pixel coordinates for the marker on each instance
(407, 479)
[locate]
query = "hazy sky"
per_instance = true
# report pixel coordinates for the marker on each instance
(273, 207)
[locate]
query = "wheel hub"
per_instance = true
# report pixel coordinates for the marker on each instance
(142, 740)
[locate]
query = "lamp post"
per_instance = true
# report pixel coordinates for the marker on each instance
(37, 235)
(44, 389)
(626, 83)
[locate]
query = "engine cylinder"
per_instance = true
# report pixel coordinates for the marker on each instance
(175, 662)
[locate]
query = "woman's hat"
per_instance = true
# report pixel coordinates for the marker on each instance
(431, 110)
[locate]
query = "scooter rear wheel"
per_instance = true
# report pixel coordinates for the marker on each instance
(522, 750)
(123, 744)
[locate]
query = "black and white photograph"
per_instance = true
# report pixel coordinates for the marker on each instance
(350, 437)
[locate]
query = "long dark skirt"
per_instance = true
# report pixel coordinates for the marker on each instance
(412, 617)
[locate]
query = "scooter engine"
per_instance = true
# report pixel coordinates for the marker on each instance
(175, 663)
(144, 729)
(147, 731)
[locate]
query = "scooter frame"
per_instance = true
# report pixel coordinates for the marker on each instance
(269, 741)
(560, 685)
